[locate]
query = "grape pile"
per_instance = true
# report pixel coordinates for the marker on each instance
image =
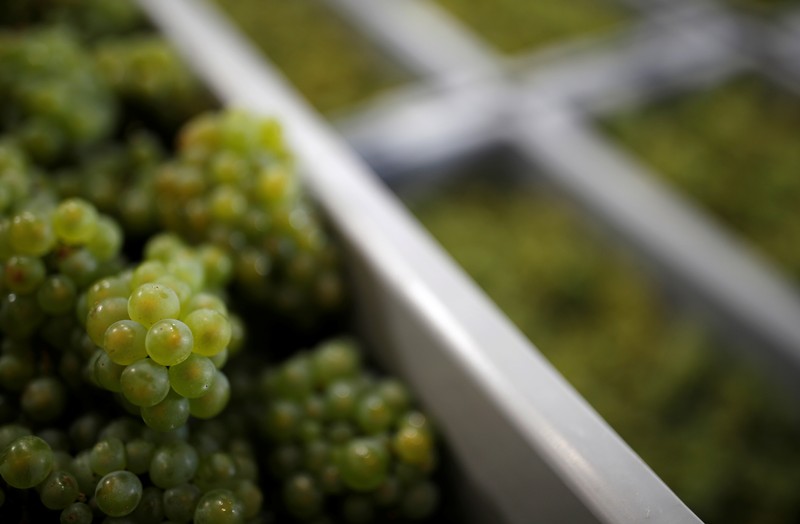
(55, 102)
(234, 184)
(346, 443)
(124, 266)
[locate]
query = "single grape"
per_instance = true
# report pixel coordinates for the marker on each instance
(193, 377)
(24, 274)
(118, 493)
(31, 234)
(109, 287)
(140, 453)
(250, 496)
(169, 342)
(57, 295)
(43, 399)
(364, 464)
(169, 414)
(77, 513)
(59, 490)
(75, 221)
(302, 496)
(26, 462)
(152, 302)
(108, 456)
(102, 315)
(334, 360)
(413, 445)
(212, 403)
(173, 464)
(151, 506)
(124, 341)
(145, 383)
(219, 506)
(210, 329)
(107, 240)
(107, 373)
(180, 502)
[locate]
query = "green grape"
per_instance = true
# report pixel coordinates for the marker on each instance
(75, 221)
(181, 288)
(193, 377)
(211, 331)
(56, 295)
(282, 420)
(82, 469)
(217, 264)
(109, 287)
(16, 371)
(189, 269)
(215, 470)
(147, 272)
(169, 414)
(374, 414)
(302, 497)
(169, 342)
(102, 315)
(295, 378)
(145, 383)
(107, 240)
(108, 456)
(77, 513)
(204, 301)
(84, 430)
(107, 373)
(413, 445)
(212, 403)
(81, 266)
(139, 452)
(173, 464)
(341, 399)
(330, 480)
(335, 360)
(364, 464)
(43, 399)
(124, 341)
(180, 502)
(122, 428)
(31, 234)
(118, 493)
(152, 302)
(395, 394)
(26, 462)
(250, 496)
(219, 506)
(59, 490)
(24, 274)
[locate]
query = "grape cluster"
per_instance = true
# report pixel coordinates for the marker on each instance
(148, 76)
(121, 262)
(55, 102)
(234, 184)
(165, 333)
(346, 443)
(49, 252)
(123, 469)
